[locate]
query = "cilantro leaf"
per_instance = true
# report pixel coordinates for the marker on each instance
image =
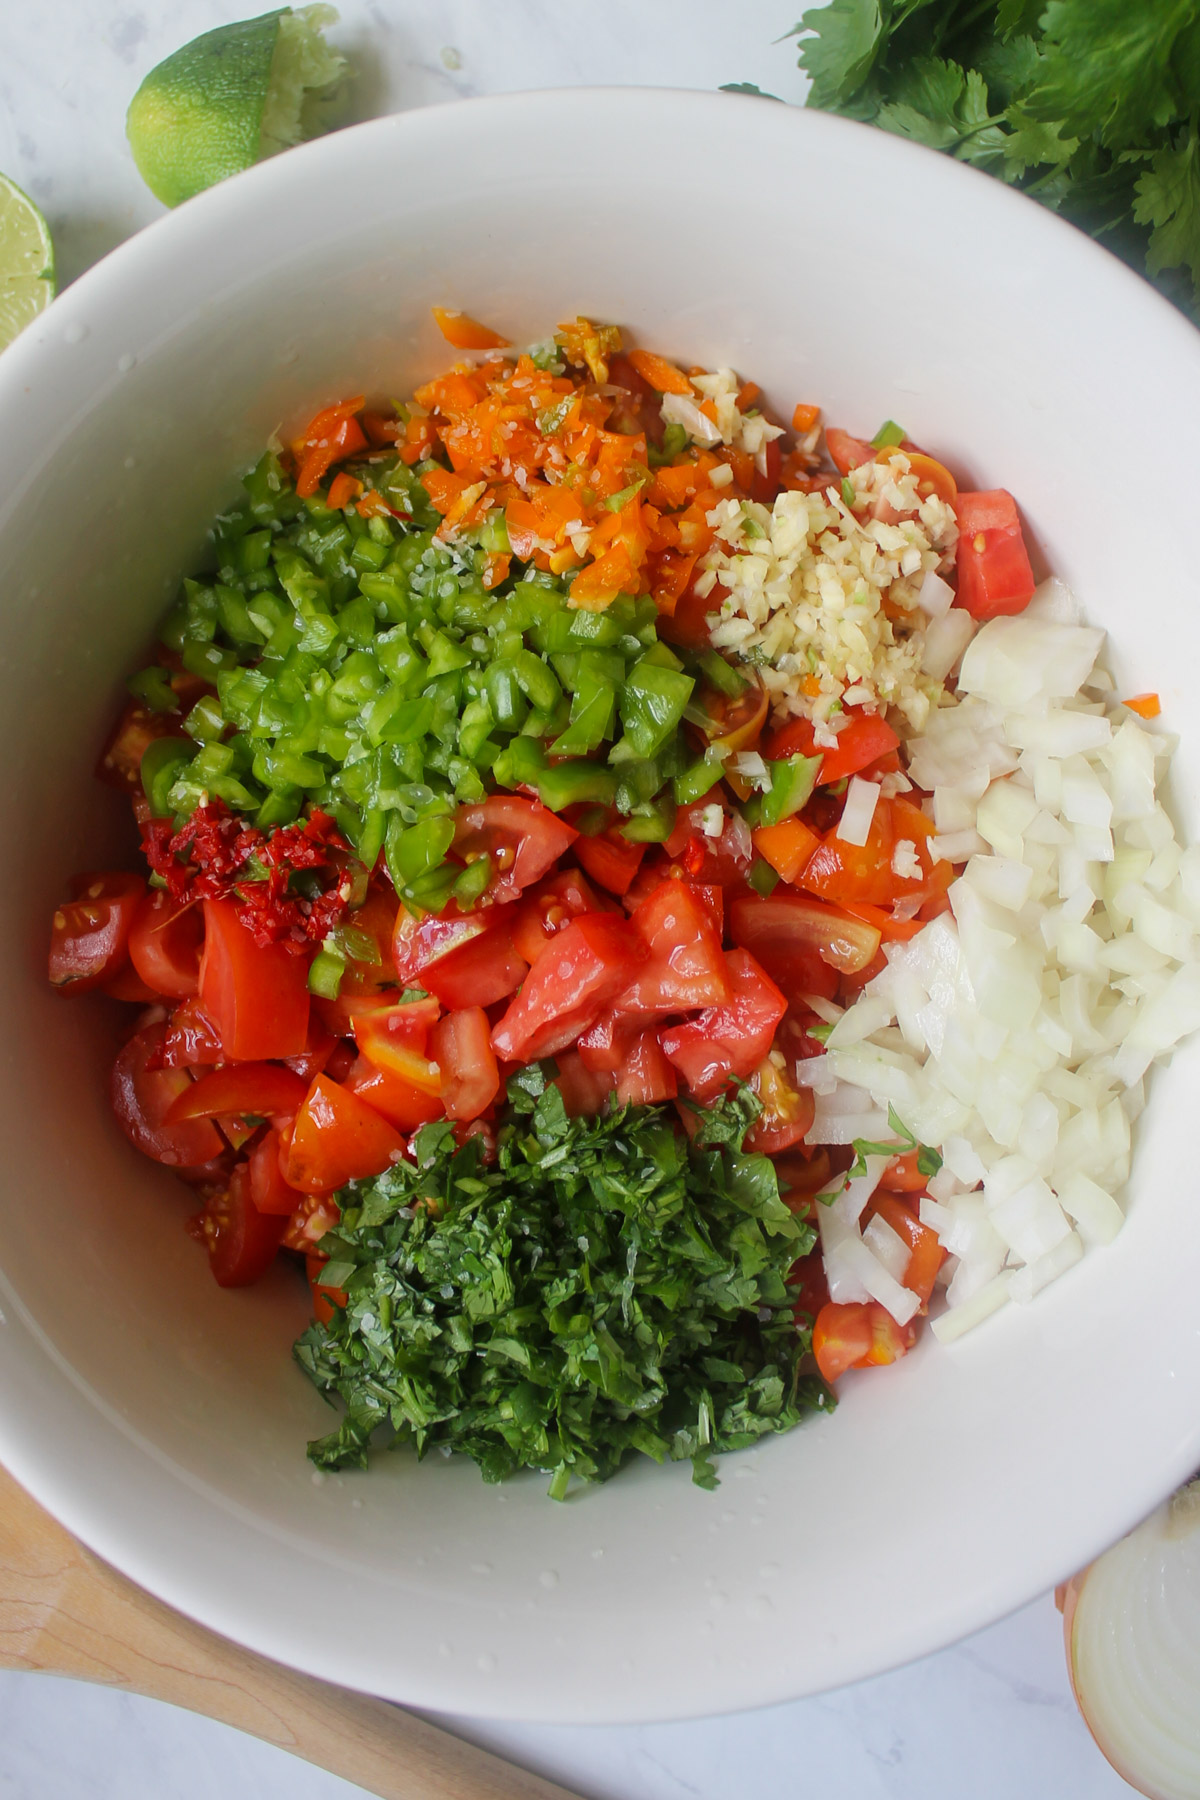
(1107, 67)
(747, 87)
(603, 1288)
(847, 36)
(1168, 198)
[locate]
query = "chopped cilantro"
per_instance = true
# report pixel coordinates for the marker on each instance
(1090, 106)
(604, 1287)
(928, 1161)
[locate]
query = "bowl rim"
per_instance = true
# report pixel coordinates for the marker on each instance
(45, 1468)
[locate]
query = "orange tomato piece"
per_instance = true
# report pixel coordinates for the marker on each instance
(337, 1137)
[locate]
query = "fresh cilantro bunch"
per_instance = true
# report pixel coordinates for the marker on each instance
(603, 1287)
(1090, 106)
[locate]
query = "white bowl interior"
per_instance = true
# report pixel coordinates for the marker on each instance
(161, 1418)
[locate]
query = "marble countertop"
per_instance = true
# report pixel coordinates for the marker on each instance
(991, 1717)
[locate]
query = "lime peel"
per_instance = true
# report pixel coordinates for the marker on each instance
(26, 261)
(234, 96)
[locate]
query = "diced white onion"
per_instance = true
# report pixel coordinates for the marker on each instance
(862, 797)
(678, 409)
(935, 597)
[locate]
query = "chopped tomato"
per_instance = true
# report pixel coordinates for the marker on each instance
(994, 575)
(786, 846)
(523, 838)
(549, 906)
(324, 1298)
(857, 1335)
(730, 1040)
(337, 1138)
(787, 1111)
(396, 1041)
(191, 1039)
(611, 860)
(686, 968)
(932, 476)
(268, 1190)
(256, 997)
(646, 1077)
(846, 452)
(241, 1241)
(376, 920)
(581, 972)
(261, 1088)
(584, 1090)
(461, 1047)
(400, 1102)
(733, 724)
(142, 1096)
(120, 763)
(477, 965)
(128, 985)
(165, 942)
(812, 1289)
(903, 1176)
(790, 934)
(319, 1047)
(926, 1253)
(840, 871)
(863, 741)
(314, 1216)
(89, 941)
(605, 1044)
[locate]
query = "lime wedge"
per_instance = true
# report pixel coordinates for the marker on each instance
(26, 261)
(233, 96)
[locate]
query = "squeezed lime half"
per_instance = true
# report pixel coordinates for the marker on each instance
(234, 96)
(26, 261)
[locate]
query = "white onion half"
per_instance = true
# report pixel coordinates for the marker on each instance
(1132, 1627)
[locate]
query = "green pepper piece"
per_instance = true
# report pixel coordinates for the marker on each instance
(505, 696)
(206, 721)
(472, 883)
(234, 616)
(163, 761)
(652, 704)
(568, 783)
(416, 850)
(538, 681)
(697, 779)
(474, 726)
(592, 713)
(153, 688)
(281, 807)
(650, 823)
(792, 783)
(206, 660)
(721, 674)
(674, 443)
(762, 877)
(325, 973)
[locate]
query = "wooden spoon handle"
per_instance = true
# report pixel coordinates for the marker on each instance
(64, 1611)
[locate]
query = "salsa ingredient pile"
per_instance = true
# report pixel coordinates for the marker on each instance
(522, 799)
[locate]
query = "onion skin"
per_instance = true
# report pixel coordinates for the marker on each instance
(1099, 1617)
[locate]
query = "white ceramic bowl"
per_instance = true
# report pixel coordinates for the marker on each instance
(162, 1419)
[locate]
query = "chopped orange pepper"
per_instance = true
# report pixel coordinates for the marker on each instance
(787, 846)
(747, 394)
(600, 583)
(495, 570)
(805, 417)
(381, 430)
(589, 346)
(373, 503)
(660, 374)
(1147, 706)
(466, 333)
(333, 434)
(453, 394)
(342, 490)
(709, 409)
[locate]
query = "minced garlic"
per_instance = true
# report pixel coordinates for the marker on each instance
(822, 596)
